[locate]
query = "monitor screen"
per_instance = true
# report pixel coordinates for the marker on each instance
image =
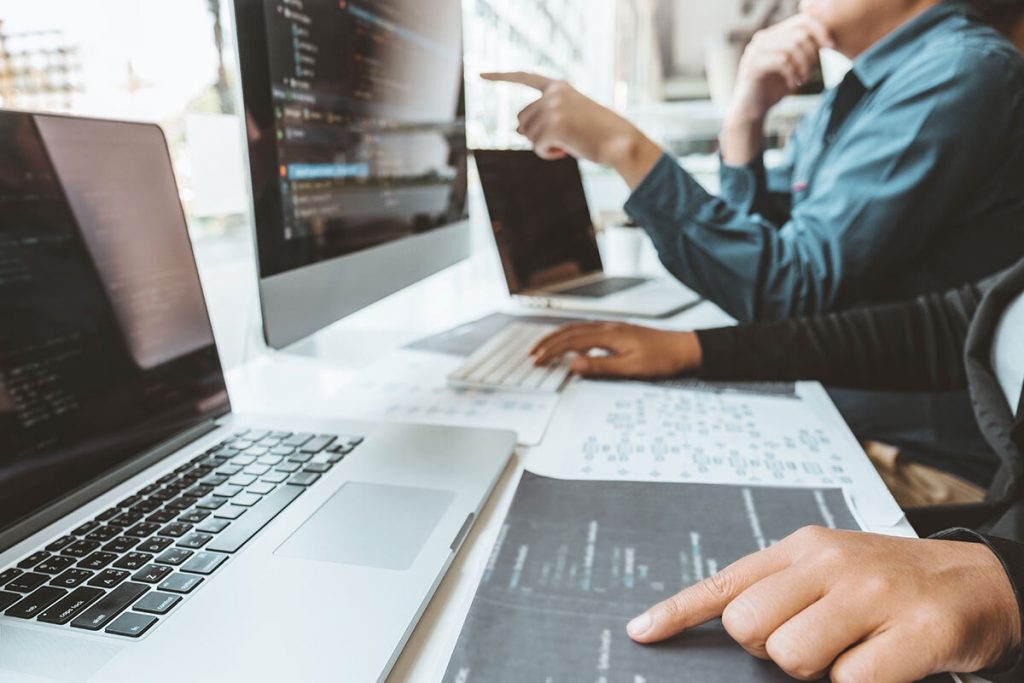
(540, 218)
(106, 348)
(354, 114)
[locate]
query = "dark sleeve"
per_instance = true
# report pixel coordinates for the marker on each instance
(914, 346)
(1011, 554)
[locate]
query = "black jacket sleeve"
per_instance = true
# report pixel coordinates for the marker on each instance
(1011, 554)
(915, 346)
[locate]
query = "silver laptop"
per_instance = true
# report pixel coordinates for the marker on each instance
(147, 533)
(545, 238)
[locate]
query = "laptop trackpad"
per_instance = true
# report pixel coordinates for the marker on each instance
(372, 525)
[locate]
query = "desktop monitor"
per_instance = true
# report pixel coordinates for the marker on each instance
(355, 124)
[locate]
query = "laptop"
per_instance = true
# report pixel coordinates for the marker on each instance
(147, 532)
(546, 241)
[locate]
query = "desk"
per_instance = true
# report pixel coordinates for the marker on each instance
(303, 381)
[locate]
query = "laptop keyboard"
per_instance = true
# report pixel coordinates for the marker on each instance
(603, 288)
(157, 546)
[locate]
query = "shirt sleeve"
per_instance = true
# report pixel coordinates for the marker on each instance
(875, 204)
(1011, 555)
(754, 189)
(914, 346)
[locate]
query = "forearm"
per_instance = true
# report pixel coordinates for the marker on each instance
(916, 346)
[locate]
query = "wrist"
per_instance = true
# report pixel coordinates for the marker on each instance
(632, 154)
(688, 351)
(742, 138)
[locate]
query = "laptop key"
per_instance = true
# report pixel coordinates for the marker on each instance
(109, 578)
(288, 467)
(154, 545)
(204, 563)
(34, 603)
(65, 609)
(193, 516)
(211, 503)
(316, 467)
(62, 542)
(236, 535)
(241, 480)
(174, 556)
(227, 490)
(181, 583)
(121, 544)
(304, 478)
(230, 512)
(97, 560)
(26, 582)
(9, 574)
(85, 528)
(213, 526)
(33, 559)
(134, 560)
(176, 529)
(228, 470)
(316, 445)
(103, 533)
(143, 529)
(80, 548)
(126, 519)
(131, 624)
(109, 606)
(297, 440)
(261, 489)
(152, 573)
(274, 477)
(55, 564)
(246, 499)
(71, 578)
(8, 599)
(109, 513)
(162, 516)
(194, 540)
(156, 602)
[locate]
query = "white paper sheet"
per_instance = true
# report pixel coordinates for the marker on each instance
(411, 386)
(651, 433)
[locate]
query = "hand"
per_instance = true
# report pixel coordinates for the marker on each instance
(777, 61)
(634, 351)
(565, 122)
(868, 607)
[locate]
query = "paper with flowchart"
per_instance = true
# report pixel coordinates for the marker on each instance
(411, 386)
(643, 432)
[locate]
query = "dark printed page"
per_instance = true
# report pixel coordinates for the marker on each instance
(576, 560)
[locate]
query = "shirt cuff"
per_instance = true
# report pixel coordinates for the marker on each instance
(1011, 555)
(740, 185)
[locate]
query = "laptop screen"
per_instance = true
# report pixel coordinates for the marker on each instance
(106, 348)
(540, 218)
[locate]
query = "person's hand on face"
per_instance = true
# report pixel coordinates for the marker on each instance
(563, 122)
(632, 351)
(777, 62)
(856, 606)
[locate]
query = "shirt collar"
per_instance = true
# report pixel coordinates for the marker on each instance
(885, 56)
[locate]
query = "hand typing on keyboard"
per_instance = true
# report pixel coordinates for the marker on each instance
(631, 351)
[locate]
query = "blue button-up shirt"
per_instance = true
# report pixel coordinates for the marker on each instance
(921, 189)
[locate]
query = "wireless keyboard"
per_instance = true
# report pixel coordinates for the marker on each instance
(504, 363)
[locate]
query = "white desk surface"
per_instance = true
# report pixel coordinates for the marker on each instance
(303, 380)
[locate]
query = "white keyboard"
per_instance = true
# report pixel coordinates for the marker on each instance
(504, 363)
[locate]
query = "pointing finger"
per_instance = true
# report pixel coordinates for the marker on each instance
(526, 78)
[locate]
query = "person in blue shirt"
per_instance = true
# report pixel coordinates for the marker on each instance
(906, 179)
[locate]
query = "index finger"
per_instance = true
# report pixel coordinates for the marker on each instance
(707, 599)
(526, 78)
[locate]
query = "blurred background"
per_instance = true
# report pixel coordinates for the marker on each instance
(668, 65)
